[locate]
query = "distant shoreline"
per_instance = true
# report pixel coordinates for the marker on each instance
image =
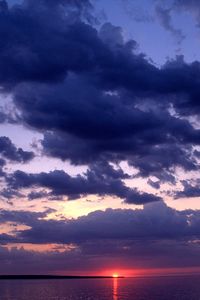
(35, 277)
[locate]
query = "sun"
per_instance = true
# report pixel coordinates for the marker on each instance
(115, 275)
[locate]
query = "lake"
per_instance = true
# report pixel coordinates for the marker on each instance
(156, 288)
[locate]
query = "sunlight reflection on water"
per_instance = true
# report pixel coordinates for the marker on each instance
(115, 288)
(160, 288)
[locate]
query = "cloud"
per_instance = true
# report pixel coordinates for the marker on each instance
(189, 6)
(97, 101)
(155, 222)
(164, 16)
(3, 6)
(103, 126)
(2, 117)
(107, 121)
(9, 194)
(111, 35)
(154, 237)
(96, 257)
(101, 179)
(22, 217)
(122, 108)
(68, 42)
(37, 195)
(189, 191)
(154, 184)
(9, 151)
(36, 35)
(178, 6)
(2, 164)
(136, 12)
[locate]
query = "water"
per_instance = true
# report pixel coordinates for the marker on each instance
(164, 288)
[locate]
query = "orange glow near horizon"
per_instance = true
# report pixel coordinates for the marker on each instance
(126, 273)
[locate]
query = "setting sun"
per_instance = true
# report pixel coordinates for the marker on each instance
(115, 275)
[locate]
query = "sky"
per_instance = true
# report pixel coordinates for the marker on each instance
(99, 137)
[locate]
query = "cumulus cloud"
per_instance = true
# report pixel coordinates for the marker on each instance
(163, 236)
(156, 222)
(21, 217)
(104, 126)
(168, 254)
(37, 195)
(100, 179)
(189, 190)
(98, 101)
(121, 110)
(9, 151)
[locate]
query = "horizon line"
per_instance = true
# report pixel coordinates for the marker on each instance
(3, 277)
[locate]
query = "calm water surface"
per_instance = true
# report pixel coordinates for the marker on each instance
(165, 288)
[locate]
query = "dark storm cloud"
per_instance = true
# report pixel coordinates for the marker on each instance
(90, 113)
(38, 40)
(2, 164)
(2, 117)
(120, 110)
(189, 191)
(68, 41)
(37, 195)
(156, 221)
(97, 100)
(9, 194)
(17, 259)
(142, 152)
(99, 125)
(156, 236)
(96, 257)
(6, 238)
(111, 35)
(9, 151)
(104, 125)
(22, 217)
(101, 179)
(154, 184)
